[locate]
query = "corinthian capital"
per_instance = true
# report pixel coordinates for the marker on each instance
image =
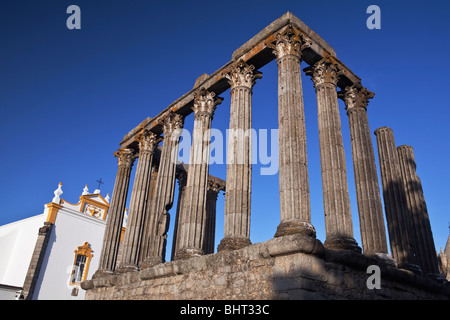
(215, 187)
(355, 96)
(324, 71)
(125, 157)
(205, 103)
(171, 122)
(242, 74)
(290, 42)
(147, 140)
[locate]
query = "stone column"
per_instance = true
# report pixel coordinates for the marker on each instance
(193, 212)
(182, 179)
(370, 210)
(241, 78)
(210, 228)
(113, 230)
(336, 200)
(138, 204)
(295, 208)
(397, 214)
(172, 125)
(146, 232)
(422, 234)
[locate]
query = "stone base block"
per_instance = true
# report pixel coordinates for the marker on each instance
(234, 243)
(342, 243)
(126, 268)
(188, 253)
(150, 262)
(102, 273)
(289, 267)
(411, 267)
(293, 227)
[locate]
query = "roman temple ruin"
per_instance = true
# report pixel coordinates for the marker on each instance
(293, 264)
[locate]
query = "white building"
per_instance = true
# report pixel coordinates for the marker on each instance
(50, 254)
(17, 242)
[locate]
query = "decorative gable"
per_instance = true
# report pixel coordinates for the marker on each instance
(94, 205)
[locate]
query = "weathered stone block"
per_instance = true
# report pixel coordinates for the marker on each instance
(289, 274)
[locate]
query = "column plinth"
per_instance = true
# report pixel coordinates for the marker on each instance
(295, 208)
(336, 200)
(241, 77)
(187, 253)
(290, 227)
(233, 243)
(111, 240)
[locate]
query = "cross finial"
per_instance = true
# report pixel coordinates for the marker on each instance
(99, 183)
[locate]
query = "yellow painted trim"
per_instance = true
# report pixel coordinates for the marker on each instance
(84, 250)
(72, 204)
(53, 209)
(86, 199)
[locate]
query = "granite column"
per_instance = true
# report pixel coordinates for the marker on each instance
(336, 200)
(159, 217)
(370, 209)
(397, 213)
(295, 208)
(193, 212)
(241, 78)
(146, 223)
(138, 204)
(422, 234)
(210, 223)
(182, 179)
(111, 240)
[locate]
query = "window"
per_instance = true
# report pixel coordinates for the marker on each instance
(82, 259)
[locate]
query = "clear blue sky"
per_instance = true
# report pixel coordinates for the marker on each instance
(69, 96)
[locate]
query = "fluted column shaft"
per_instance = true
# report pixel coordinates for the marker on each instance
(182, 179)
(295, 208)
(422, 234)
(210, 228)
(397, 214)
(146, 223)
(239, 159)
(193, 212)
(138, 205)
(113, 229)
(336, 200)
(370, 210)
(164, 192)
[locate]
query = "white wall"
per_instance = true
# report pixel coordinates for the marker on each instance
(17, 242)
(71, 230)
